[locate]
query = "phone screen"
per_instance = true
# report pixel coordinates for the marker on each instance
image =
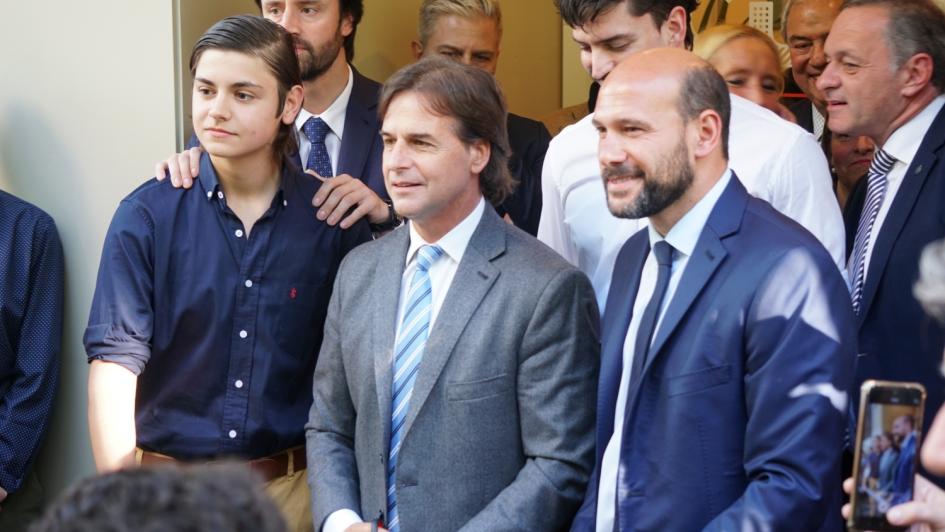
(890, 432)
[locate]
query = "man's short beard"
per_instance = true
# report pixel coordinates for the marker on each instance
(656, 195)
(317, 62)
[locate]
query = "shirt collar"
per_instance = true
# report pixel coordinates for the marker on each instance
(334, 116)
(210, 183)
(819, 121)
(685, 234)
(904, 143)
(454, 242)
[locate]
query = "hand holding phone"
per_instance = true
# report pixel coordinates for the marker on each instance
(889, 429)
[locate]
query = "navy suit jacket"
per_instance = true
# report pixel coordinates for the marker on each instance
(897, 341)
(528, 140)
(731, 423)
(361, 146)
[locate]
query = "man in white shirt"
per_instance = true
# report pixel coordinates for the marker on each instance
(727, 341)
(777, 161)
(884, 80)
(456, 382)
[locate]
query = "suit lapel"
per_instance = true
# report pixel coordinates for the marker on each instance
(616, 320)
(392, 256)
(912, 183)
(474, 277)
(360, 129)
(706, 258)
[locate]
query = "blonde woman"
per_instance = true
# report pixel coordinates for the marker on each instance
(748, 60)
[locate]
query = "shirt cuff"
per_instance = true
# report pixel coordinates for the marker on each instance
(340, 520)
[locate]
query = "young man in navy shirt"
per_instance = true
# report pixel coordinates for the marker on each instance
(210, 302)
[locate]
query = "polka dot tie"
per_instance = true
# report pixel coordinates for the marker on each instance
(315, 130)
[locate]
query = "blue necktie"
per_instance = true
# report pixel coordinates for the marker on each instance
(316, 130)
(664, 257)
(875, 191)
(412, 337)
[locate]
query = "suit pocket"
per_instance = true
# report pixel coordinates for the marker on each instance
(698, 381)
(479, 389)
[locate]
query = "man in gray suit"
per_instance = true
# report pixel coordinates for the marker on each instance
(455, 388)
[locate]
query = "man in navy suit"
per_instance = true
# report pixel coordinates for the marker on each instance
(338, 128)
(885, 81)
(727, 339)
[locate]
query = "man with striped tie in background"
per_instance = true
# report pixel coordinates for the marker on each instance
(885, 80)
(456, 383)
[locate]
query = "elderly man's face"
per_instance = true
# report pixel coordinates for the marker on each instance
(861, 84)
(807, 27)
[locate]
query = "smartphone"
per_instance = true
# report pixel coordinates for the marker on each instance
(888, 434)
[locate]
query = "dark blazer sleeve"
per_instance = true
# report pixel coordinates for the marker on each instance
(799, 349)
(27, 403)
(557, 390)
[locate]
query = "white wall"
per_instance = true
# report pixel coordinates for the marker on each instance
(86, 106)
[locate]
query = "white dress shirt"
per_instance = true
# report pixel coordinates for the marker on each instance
(334, 116)
(683, 238)
(442, 271)
(776, 160)
(902, 145)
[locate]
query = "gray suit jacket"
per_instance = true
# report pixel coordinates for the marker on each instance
(500, 432)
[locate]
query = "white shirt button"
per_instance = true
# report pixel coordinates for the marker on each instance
(243, 334)
(238, 383)
(209, 194)
(232, 434)
(220, 194)
(285, 203)
(239, 233)
(248, 283)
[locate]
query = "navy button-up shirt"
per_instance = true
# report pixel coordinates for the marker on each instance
(31, 273)
(222, 328)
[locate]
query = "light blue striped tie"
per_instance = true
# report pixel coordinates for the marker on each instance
(414, 329)
(875, 191)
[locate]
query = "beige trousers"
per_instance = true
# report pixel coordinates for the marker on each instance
(294, 499)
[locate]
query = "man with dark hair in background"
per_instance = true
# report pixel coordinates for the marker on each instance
(470, 31)
(884, 79)
(31, 293)
(776, 160)
(455, 386)
(727, 338)
(338, 126)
